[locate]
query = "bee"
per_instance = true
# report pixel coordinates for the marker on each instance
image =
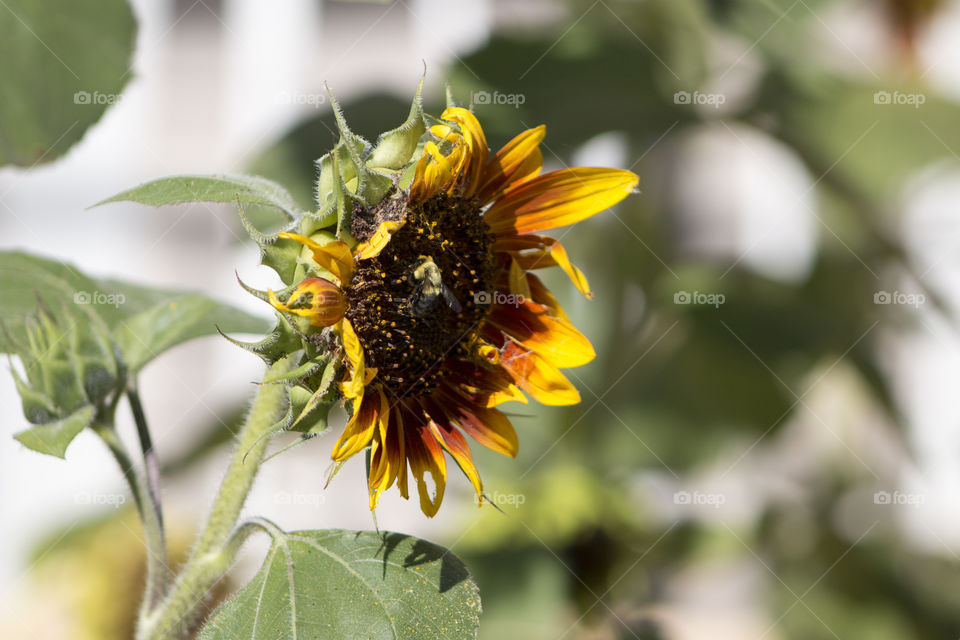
(429, 287)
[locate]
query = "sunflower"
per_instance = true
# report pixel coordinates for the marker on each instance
(437, 309)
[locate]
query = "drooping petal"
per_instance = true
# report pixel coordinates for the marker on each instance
(556, 340)
(426, 456)
(358, 433)
(324, 307)
(518, 161)
(537, 252)
(558, 198)
(358, 375)
(378, 241)
(453, 443)
(387, 457)
(333, 256)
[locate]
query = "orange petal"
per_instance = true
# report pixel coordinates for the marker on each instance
(537, 377)
(554, 339)
(559, 198)
(334, 256)
(425, 457)
(376, 243)
(489, 427)
(542, 295)
(537, 252)
(455, 444)
(518, 161)
(386, 457)
(326, 306)
(358, 433)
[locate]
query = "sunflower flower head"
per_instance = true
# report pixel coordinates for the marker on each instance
(410, 295)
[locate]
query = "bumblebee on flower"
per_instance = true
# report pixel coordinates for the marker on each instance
(429, 286)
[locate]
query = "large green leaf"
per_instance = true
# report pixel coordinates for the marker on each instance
(144, 322)
(228, 189)
(340, 584)
(64, 63)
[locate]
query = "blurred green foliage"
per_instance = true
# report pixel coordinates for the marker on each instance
(680, 391)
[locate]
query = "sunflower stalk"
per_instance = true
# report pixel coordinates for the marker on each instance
(150, 517)
(219, 543)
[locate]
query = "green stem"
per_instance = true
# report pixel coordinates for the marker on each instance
(149, 511)
(217, 548)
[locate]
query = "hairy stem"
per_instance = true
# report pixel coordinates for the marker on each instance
(149, 510)
(218, 544)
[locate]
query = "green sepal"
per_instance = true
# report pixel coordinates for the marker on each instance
(305, 370)
(37, 407)
(395, 148)
(280, 254)
(313, 415)
(451, 102)
(53, 438)
(277, 344)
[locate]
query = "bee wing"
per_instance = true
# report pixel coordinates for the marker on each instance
(451, 300)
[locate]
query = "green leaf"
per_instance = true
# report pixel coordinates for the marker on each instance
(349, 584)
(54, 438)
(142, 321)
(64, 64)
(228, 189)
(150, 333)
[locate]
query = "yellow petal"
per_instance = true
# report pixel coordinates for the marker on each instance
(353, 386)
(455, 444)
(376, 243)
(475, 159)
(556, 340)
(510, 394)
(518, 161)
(537, 377)
(386, 455)
(559, 198)
(518, 280)
(487, 426)
(359, 431)
(537, 252)
(426, 456)
(334, 256)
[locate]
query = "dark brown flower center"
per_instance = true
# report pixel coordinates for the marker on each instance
(424, 297)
